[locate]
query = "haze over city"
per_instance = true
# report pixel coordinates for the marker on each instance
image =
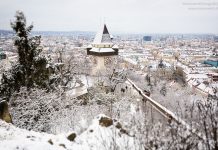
(125, 16)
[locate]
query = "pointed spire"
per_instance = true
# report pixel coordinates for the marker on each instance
(105, 31)
(103, 36)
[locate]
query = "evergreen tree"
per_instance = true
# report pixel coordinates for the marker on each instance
(30, 70)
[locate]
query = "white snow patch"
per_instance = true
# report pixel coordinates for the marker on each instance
(95, 137)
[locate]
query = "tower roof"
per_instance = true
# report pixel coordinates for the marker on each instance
(103, 36)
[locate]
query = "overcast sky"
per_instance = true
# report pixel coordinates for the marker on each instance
(129, 16)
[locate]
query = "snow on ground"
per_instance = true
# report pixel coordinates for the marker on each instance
(100, 137)
(87, 81)
(12, 138)
(104, 133)
(76, 91)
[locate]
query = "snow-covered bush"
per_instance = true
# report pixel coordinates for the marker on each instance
(37, 109)
(208, 121)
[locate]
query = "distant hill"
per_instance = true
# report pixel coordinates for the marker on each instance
(52, 33)
(63, 33)
(6, 32)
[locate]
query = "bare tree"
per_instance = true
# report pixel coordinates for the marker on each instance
(208, 120)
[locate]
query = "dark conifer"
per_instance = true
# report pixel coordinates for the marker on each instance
(30, 70)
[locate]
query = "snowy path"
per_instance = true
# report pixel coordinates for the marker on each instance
(87, 82)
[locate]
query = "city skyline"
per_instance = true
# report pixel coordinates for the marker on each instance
(125, 16)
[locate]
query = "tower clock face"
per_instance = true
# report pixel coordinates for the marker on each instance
(107, 60)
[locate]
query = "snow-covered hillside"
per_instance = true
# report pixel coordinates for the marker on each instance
(103, 133)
